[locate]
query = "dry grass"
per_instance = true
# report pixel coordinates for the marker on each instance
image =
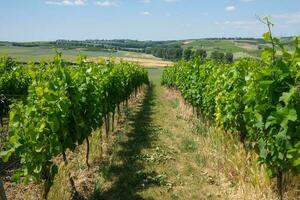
(21, 190)
(149, 62)
(237, 170)
(225, 159)
(206, 162)
(144, 61)
(241, 176)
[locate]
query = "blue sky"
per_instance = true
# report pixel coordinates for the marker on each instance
(37, 20)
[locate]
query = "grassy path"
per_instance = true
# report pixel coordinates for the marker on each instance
(159, 151)
(165, 153)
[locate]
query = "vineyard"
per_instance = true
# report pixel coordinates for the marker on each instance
(150, 100)
(194, 130)
(259, 99)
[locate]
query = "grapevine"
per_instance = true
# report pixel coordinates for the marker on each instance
(63, 107)
(257, 98)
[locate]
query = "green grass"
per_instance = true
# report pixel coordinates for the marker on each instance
(225, 46)
(189, 145)
(46, 53)
(201, 160)
(254, 42)
(211, 45)
(155, 75)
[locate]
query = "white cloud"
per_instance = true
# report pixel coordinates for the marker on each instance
(170, 1)
(230, 8)
(107, 3)
(79, 2)
(146, 13)
(247, 1)
(67, 2)
(288, 18)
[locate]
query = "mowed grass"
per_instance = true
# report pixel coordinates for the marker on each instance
(155, 74)
(200, 160)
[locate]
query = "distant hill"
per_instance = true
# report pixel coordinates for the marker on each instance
(170, 49)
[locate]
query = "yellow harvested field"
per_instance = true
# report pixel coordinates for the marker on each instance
(149, 62)
(145, 61)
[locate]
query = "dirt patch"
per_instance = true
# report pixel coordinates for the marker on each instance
(21, 190)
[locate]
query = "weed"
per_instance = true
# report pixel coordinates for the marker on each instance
(174, 197)
(200, 160)
(174, 103)
(199, 128)
(189, 145)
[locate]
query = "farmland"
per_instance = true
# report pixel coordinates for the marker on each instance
(149, 100)
(38, 54)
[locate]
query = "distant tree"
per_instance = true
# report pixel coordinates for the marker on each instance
(148, 50)
(218, 56)
(200, 53)
(187, 54)
(172, 53)
(164, 53)
(158, 52)
(169, 53)
(229, 57)
(179, 52)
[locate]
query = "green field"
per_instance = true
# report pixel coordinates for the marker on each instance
(45, 53)
(239, 48)
(209, 45)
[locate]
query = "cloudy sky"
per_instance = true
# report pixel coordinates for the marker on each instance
(32, 20)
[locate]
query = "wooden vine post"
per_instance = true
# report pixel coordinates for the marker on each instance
(2, 192)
